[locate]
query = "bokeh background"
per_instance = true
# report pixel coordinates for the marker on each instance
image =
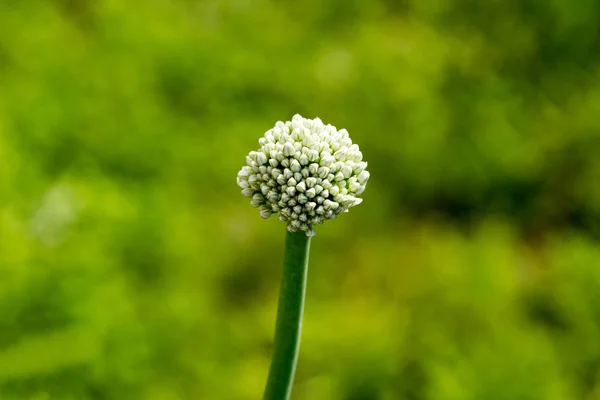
(132, 268)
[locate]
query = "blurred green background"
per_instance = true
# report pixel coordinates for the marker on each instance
(132, 268)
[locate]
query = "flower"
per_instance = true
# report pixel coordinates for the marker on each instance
(306, 172)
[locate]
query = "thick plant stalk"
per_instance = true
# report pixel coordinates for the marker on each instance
(289, 317)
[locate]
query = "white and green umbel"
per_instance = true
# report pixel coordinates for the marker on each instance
(308, 173)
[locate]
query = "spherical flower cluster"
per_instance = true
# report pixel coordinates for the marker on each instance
(306, 171)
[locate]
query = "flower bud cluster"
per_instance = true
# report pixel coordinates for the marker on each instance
(305, 171)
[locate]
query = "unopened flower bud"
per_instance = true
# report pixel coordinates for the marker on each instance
(305, 171)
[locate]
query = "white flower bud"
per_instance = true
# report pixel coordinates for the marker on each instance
(295, 166)
(323, 172)
(353, 184)
(296, 134)
(341, 154)
(327, 161)
(313, 155)
(273, 196)
(363, 177)
(303, 159)
(261, 158)
(258, 197)
(345, 142)
(288, 150)
(356, 157)
(347, 171)
(245, 172)
(358, 168)
(265, 212)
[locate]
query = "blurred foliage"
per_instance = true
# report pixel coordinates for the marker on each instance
(132, 268)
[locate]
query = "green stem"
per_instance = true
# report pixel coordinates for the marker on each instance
(289, 317)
